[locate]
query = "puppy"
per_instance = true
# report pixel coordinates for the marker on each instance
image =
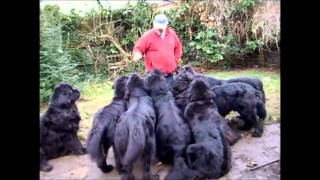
(101, 135)
(172, 132)
(210, 155)
(242, 97)
(134, 134)
(254, 82)
(59, 126)
(180, 89)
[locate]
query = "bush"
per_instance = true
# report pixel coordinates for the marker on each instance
(207, 46)
(55, 62)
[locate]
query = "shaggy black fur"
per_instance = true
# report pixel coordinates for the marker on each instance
(172, 132)
(59, 126)
(180, 89)
(101, 135)
(181, 171)
(210, 155)
(135, 135)
(254, 82)
(242, 97)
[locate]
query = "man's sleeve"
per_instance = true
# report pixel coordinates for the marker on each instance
(141, 44)
(177, 48)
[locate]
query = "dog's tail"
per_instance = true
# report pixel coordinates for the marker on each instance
(226, 166)
(135, 146)
(95, 141)
(262, 112)
(260, 84)
(260, 93)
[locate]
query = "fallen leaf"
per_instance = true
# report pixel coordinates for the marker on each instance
(252, 164)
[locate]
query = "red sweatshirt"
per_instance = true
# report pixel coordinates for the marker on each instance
(161, 54)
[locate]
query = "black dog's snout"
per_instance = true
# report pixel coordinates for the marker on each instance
(76, 93)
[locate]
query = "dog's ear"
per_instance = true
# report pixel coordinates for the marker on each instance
(178, 69)
(213, 95)
(126, 95)
(146, 83)
(147, 88)
(190, 96)
(76, 94)
(189, 78)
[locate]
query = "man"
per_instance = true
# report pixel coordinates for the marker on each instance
(161, 48)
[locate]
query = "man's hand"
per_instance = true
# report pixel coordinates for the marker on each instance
(136, 56)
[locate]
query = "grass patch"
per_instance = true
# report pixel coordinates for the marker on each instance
(94, 95)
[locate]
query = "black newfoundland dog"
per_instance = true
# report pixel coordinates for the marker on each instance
(101, 135)
(242, 97)
(180, 90)
(135, 132)
(172, 132)
(59, 126)
(237, 96)
(254, 82)
(210, 155)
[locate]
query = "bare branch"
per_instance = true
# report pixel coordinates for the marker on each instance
(255, 168)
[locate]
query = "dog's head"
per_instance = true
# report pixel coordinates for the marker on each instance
(156, 83)
(181, 82)
(119, 86)
(64, 95)
(135, 86)
(199, 90)
(187, 70)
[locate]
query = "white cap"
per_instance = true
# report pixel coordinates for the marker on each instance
(160, 21)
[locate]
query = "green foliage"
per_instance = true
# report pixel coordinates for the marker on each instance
(239, 36)
(187, 25)
(207, 46)
(55, 61)
(242, 6)
(137, 19)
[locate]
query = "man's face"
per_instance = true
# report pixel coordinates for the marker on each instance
(160, 30)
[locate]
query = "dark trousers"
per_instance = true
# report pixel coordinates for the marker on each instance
(169, 79)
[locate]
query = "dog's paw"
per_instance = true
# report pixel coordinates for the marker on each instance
(80, 151)
(150, 176)
(155, 177)
(256, 133)
(84, 150)
(127, 177)
(106, 168)
(46, 167)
